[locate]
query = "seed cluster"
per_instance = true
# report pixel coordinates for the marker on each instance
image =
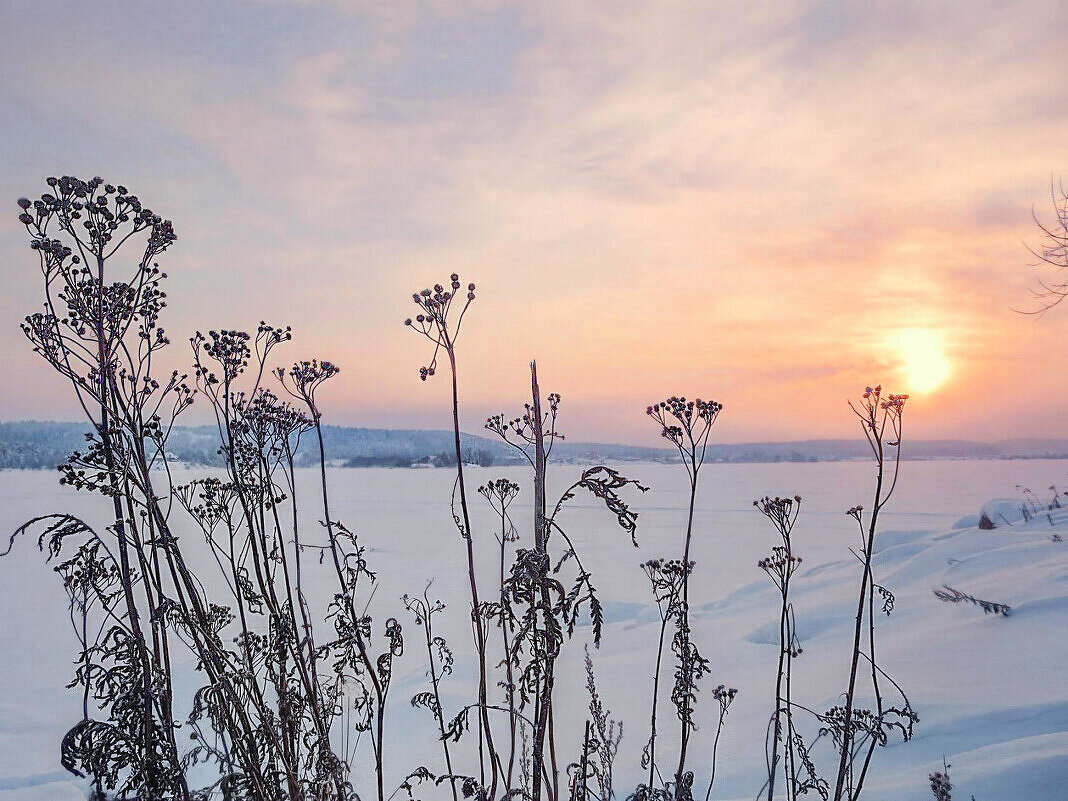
(433, 320)
(101, 210)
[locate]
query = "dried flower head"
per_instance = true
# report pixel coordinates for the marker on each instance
(98, 215)
(686, 424)
(438, 319)
(303, 380)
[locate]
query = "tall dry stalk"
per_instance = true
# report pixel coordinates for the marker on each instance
(858, 732)
(687, 426)
(439, 323)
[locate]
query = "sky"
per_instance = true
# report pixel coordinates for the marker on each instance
(769, 204)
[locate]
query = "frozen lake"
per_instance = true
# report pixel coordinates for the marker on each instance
(992, 693)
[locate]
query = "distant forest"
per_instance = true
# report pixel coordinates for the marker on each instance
(41, 445)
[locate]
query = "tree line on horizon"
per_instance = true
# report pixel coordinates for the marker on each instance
(42, 445)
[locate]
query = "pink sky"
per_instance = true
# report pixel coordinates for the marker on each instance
(747, 202)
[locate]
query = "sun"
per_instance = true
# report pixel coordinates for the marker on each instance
(924, 359)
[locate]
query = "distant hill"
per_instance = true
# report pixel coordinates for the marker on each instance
(42, 445)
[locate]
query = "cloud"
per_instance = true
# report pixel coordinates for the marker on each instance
(649, 195)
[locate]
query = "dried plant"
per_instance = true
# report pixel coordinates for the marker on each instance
(785, 742)
(1034, 506)
(439, 664)
(100, 334)
(607, 733)
(547, 610)
(687, 426)
(941, 787)
(953, 596)
(500, 494)
(267, 718)
(582, 772)
(857, 732)
(439, 320)
(665, 578)
(724, 697)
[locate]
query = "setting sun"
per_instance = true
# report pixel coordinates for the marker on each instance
(923, 354)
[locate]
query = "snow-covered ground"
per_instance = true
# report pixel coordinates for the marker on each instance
(991, 692)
